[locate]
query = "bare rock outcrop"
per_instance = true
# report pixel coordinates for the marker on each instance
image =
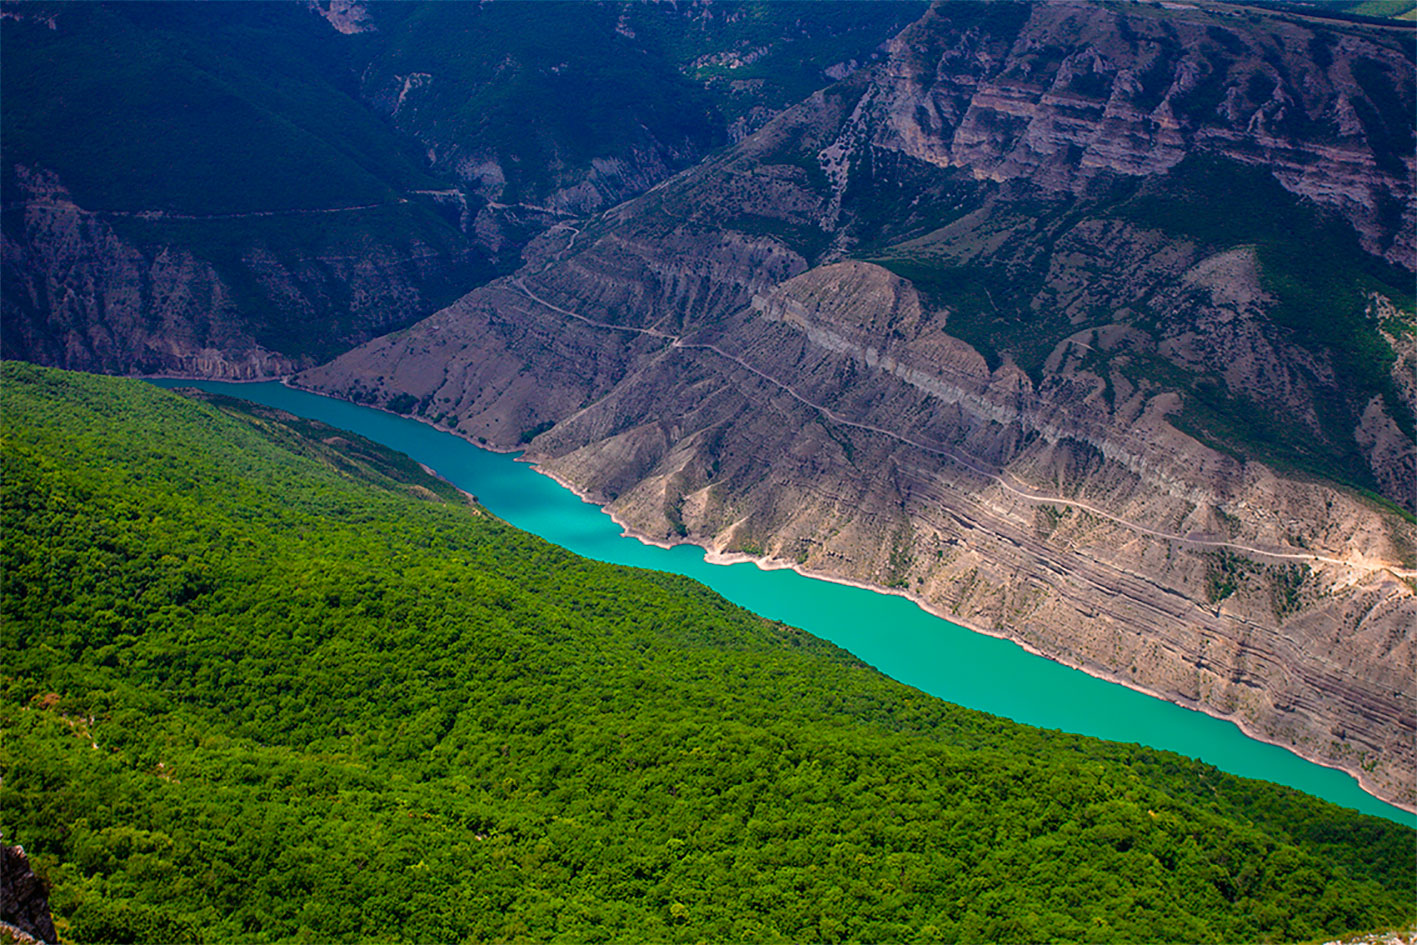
(24, 900)
(108, 293)
(1064, 93)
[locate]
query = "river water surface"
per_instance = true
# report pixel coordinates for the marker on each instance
(889, 632)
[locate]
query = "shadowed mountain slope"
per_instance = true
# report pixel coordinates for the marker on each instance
(243, 191)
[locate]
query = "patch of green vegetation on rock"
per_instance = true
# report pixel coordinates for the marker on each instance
(1311, 264)
(991, 276)
(775, 54)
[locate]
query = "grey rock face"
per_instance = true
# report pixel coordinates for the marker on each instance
(24, 901)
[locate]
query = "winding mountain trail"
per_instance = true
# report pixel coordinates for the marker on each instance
(246, 215)
(677, 341)
(69, 205)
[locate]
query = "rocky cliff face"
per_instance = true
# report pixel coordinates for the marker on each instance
(117, 294)
(24, 901)
(1062, 93)
(1069, 391)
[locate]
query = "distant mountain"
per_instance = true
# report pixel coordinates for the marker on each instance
(241, 191)
(1088, 324)
(571, 107)
(268, 680)
(198, 190)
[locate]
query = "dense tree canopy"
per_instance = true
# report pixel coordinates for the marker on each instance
(264, 680)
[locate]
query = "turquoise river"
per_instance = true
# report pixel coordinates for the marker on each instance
(887, 631)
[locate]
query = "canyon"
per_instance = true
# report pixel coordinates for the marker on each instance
(1086, 325)
(991, 322)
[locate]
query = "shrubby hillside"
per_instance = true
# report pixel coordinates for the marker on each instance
(265, 680)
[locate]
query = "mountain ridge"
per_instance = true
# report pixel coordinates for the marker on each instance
(142, 138)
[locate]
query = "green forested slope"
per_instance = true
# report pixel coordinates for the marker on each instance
(172, 107)
(267, 681)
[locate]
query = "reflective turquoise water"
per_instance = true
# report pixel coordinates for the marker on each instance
(889, 632)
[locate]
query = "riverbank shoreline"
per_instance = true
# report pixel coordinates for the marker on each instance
(715, 556)
(769, 563)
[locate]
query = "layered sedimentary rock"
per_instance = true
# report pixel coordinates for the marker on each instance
(1079, 90)
(1034, 399)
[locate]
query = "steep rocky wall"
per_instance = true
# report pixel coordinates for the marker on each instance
(1072, 91)
(24, 900)
(84, 292)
